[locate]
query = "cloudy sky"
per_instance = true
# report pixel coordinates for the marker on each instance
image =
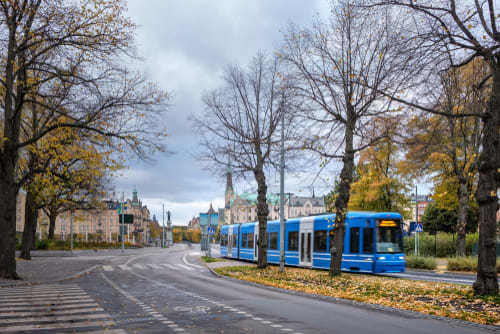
(186, 44)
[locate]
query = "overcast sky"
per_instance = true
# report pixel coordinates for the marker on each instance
(186, 44)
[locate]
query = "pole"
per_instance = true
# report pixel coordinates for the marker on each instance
(71, 227)
(122, 232)
(282, 193)
(163, 239)
(416, 221)
(208, 235)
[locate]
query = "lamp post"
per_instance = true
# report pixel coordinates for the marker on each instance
(282, 192)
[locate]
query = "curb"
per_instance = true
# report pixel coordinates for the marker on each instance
(375, 307)
(74, 276)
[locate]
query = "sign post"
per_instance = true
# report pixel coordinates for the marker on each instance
(418, 229)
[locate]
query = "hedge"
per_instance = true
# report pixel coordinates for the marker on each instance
(420, 262)
(446, 244)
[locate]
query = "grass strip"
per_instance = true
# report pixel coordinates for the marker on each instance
(442, 299)
(212, 259)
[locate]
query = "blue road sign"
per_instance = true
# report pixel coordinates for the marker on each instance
(210, 230)
(419, 228)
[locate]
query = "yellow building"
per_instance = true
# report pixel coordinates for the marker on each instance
(98, 224)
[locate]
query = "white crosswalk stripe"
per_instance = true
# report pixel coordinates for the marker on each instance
(184, 266)
(107, 268)
(169, 266)
(48, 308)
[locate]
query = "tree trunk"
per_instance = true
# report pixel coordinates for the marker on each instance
(30, 220)
(8, 195)
(262, 212)
(463, 210)
(341, 203)
(486, 194)
(52, 224)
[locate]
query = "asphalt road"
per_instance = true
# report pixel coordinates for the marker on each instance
(172, 292)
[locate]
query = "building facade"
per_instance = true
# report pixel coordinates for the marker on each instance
(242, 208)
(100, 224)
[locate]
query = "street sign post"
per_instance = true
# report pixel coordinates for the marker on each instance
(418, 229)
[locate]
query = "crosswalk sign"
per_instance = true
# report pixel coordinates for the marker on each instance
(210, 230)
(419, 228)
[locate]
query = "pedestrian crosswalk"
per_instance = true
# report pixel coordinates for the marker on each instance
(52, 307)
(162, 266)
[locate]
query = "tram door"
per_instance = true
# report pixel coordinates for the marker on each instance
(305, 241)
(256, 242)
(230, 242)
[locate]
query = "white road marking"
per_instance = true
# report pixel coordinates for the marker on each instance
(183, 266)
(63, 325)
(124, 267)
(154, 266)
(51, 318)
(184, 259)
(50, 308)
(169, 266)
(277, 326)
(108, 268)
(49, 311)
(139, 266)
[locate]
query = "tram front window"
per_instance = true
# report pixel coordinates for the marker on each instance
(389, 238)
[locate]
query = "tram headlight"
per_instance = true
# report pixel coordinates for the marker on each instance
(401, 257)
(381, 258)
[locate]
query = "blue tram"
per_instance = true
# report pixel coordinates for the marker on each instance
(373, 242)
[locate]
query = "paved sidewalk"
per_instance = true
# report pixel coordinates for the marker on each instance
(52, 266)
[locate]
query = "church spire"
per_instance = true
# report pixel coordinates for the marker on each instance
(135, 200)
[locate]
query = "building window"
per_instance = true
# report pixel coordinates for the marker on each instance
(320, 241)
(293, 241)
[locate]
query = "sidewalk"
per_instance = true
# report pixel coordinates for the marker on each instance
(54, 266)
(47, 269)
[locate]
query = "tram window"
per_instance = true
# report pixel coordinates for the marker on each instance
(367, 240)
(273, 240)
(244, 240)
(293, 241)
(223, 240)
(354, 240)
(320, 241)
(235, 236)
(250, 240)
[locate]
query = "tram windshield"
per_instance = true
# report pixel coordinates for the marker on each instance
(389, 237)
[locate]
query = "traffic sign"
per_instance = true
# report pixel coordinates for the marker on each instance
(419, 228)
(129, 219)
(210, 230)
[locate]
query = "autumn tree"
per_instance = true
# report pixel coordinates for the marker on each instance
(448, 147)
(333, 64)
(381, 185)
(240, 122)
(456, 34)
(68, 58)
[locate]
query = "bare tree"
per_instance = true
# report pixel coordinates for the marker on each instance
(335, 63)
(240, 123)
(79, 49)
(458, 33)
